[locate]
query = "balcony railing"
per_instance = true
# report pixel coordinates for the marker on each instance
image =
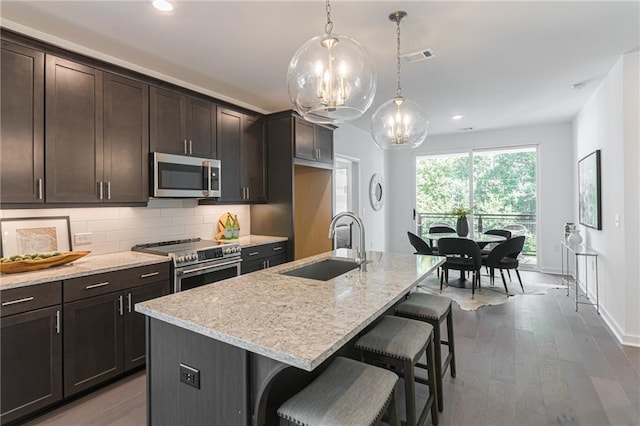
(518, 224)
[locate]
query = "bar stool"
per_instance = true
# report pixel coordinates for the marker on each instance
(348, 392)
(433, 309)
(399, 343)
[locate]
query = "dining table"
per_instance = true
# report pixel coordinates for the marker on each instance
(480, 238)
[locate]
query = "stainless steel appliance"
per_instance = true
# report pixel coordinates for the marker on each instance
(197, 262)
(181, 176)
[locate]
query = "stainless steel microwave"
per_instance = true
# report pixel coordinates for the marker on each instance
(181, 176)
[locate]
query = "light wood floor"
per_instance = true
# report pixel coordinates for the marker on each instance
(530, 361)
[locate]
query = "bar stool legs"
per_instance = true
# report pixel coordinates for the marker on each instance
(433, 309)
(400, 343)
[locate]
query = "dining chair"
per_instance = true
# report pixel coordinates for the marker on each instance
(501, 232)
(462, 254)
(421, 246)
(505, 256)
(441, 229)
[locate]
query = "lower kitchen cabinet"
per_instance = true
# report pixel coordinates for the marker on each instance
(104, 336)
(93, 339)
(264, 256)
(30, 349)
(135, 347)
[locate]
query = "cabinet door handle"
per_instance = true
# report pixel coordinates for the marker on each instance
(58, 322)
(121, 302)
(268, 265)
(108, 190)
(185, 147)
(13, 302)
(129, 302)
(277, 248)
(100, 191)
(248, 193)
(40, 194)
(264, 264)
(253, 253)
(89, 287)
(190, 147)
(150, 274)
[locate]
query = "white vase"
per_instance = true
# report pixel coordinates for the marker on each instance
(574, 238)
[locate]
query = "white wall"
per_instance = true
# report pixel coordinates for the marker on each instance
(116, 229)
(555, 180)
(353, 142)
(609, 122)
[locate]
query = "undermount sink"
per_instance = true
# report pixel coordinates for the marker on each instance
(324, 270)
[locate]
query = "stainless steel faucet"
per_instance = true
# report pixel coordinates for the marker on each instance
(361, 259)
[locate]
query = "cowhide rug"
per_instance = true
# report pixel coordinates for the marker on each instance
(487, 295)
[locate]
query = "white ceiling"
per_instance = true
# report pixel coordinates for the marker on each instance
(500, 64)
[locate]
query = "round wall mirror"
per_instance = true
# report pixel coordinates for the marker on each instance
(376, 192)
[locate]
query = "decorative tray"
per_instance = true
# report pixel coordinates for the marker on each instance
(49, 262)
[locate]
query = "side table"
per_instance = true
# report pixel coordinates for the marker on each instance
(586, 252)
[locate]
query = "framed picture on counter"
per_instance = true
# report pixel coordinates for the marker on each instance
(24, 235)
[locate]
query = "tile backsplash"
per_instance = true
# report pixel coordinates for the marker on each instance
(114, 229)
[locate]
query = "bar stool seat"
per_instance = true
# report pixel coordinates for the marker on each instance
(348, 392)
(433, 309)
(400, 342)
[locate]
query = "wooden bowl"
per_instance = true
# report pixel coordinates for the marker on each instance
(49, 262)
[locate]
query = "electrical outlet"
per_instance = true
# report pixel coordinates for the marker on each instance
(190, 376)
(82, 238)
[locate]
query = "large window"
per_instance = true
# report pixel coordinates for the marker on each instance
(498, 185)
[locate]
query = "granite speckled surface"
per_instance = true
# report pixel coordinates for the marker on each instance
(92, 264)
(256, 240)
(297, 321)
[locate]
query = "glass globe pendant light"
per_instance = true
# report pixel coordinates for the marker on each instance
(399, 123)
(331, 78)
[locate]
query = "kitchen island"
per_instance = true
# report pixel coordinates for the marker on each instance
(227, 353)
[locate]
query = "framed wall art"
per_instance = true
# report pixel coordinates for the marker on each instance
(589, 191)
(34, 235)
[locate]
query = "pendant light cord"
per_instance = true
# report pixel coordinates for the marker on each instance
(399, 90)
(329, 25)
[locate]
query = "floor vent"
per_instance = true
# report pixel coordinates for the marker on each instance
(419, 55)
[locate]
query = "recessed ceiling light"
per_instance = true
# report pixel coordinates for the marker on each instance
(457, 117)
(163, 5)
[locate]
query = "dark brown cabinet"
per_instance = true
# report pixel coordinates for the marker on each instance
(135, 348)
(103, 335)
(73, 148)
(181, 124)
(22, 125)
(241, 149)
(312, 142)
(31, 349)
(263, 256)
(125, 140)
(93, 338)
(96, 135)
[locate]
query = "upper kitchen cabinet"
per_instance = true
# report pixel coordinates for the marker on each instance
(74, 122)
(96, 135)
(241, 149)
(312, 142)
(126, 140)
(181, 124)
(22, 125)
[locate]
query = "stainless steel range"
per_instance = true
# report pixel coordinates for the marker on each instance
(197, 262)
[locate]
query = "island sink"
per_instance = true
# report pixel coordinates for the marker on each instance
(325, 269)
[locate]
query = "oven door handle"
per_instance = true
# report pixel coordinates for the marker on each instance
(210, 267)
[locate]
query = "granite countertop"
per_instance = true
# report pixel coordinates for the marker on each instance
(297, 321)
(256, 240)
(95, 264)
(92, 264)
